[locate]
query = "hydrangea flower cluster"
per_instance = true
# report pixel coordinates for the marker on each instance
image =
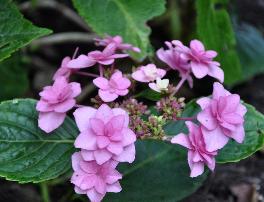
(110, 128)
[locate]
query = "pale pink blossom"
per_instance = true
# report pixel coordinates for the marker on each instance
(198, 155)
(201, 60)
(55, 101)
(105, 57)
(222, 117)
(175, 60)
(110, 89)
(104, 134)
(148, 73)
(94, 180)
(64, 70)
(118, 41)
(161, 85)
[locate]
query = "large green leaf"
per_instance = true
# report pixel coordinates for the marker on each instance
(160, 173)
(250, 46)
(27, 154)
(13, 78)
(122, 17)
(15, 31)
(233, 151)
(215, 30)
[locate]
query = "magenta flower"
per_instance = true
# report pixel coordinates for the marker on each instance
(118, 41)
(55, 101)
(148, 73)
(222, 117)
(201, 61)
(94, 180)
(104, 134)
(111, 89)
(63, 70)
(198, 155)
(175, 60)
(105, 57)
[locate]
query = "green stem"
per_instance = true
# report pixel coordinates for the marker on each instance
(44, 192)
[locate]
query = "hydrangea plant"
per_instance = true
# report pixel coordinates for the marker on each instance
(110, 127)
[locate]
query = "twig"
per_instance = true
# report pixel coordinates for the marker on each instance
(44, 192)
(66, 37)
(64, 10)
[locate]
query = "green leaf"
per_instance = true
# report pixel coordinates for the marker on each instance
(126, 18)
(13, 78)
(160, 173)
(215, 31)
(250, 47)
(15, 31)
(149, 94)
(233, 151)
(27, 154)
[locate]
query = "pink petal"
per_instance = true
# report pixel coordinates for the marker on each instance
(119, 111)
(102, 156)
(219, 91)
(109, 49)
(122, 92)
(88, 182)
(239, 134)
(102, 141)
(101, 83)
(64, 106)
(206, 118)
(104, 113)
(107, 96)
(106, 61)
(76, 158)
(197, 169)
(119, 56)
(216, 72)
(49, 121)
(233, 118)
(82, 116)
(154, 87)
(139, 76)
(97, 126)
(113, 177)
(128, 155)
(76, 89)
(117, 122)
(129, 137)
(197, 157)
(81, 62)
(214, 139)
(100, 186)
(44, 106)
(210, 54)
(94, 196)
(197, 45)
(116, 187)
(182, 139)
(89, 167)
(232, 102)
(86, 140)
(211, 165)
(203, 102)
(161, 72)
(199, 70)
(79, 190)
(115, 148)
(87, 155)
(241, 110)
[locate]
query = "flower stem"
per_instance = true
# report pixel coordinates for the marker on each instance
(87, 74)
(179, 85)
(75, 53)
(185, 118)
(101, 70)
(44, 192)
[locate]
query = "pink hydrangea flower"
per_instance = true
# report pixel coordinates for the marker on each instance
(222, 117)
(104, 134)
(110, 89)
(175, 60)
(118, 41)
(94, 180)
(105, 57)
(148, 73)
(63, 70)
(198, 155)
(201, 61)
(55, 101)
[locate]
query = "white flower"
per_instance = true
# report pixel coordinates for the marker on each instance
(160, 85)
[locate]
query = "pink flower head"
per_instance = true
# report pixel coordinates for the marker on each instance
(104, 134)
(222, 117)
(105, 57)
(148, 73)
(64, 70)
(111, 89)
(55, 101)
(118, 41)
(198, 155)
(175, 60)
(94, 180)
(201, 61)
